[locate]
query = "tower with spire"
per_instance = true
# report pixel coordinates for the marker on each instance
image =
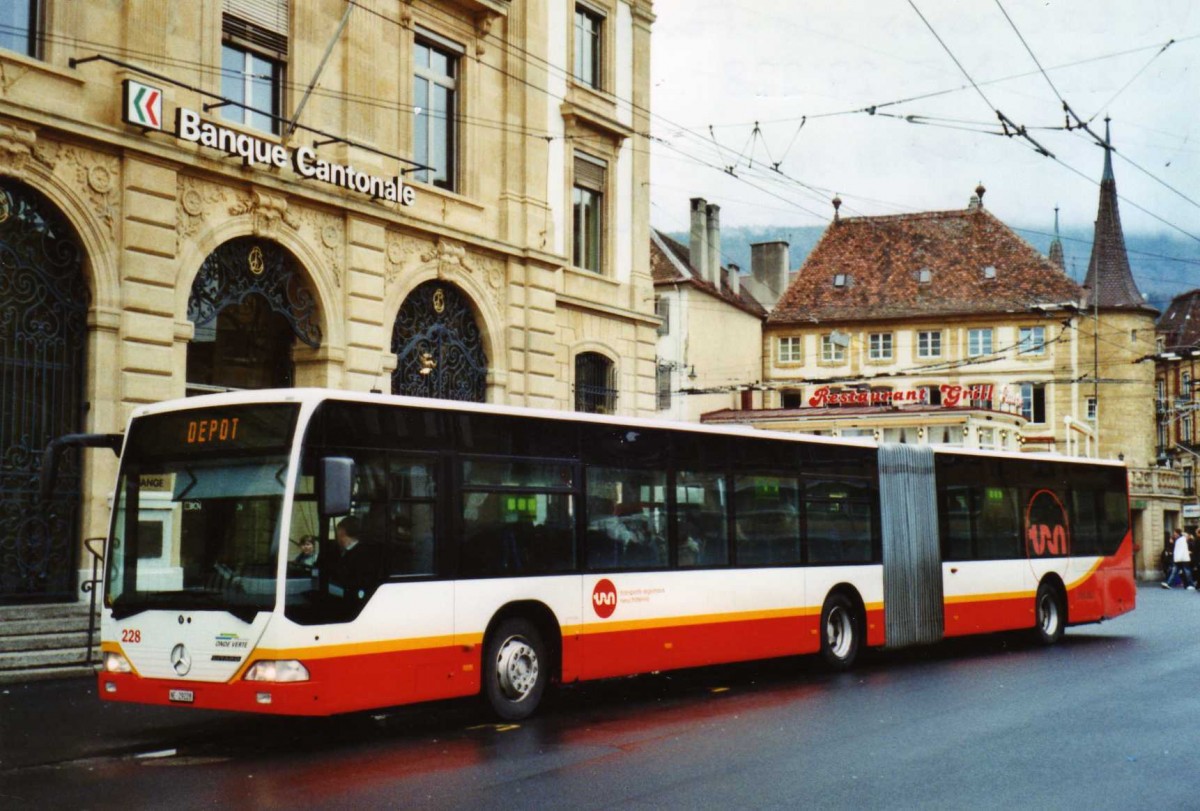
(1056, 248)
(1116, 332)
(1109, 281)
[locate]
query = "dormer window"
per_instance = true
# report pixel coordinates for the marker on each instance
(924, 276)
(841, 279)
(989, 272)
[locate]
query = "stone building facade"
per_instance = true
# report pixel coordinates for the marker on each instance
(446, 197)
(711, 330)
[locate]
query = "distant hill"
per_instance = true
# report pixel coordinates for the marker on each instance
(1163, 265)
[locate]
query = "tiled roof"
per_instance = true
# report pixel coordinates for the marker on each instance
(933, 263)
(680, 271)
(1180, 324)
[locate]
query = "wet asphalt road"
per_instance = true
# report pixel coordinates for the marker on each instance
(1108, 719)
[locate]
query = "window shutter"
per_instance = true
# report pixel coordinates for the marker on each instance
(259, 23)
(589, 173)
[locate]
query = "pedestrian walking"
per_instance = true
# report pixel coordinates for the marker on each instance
(1181, 562)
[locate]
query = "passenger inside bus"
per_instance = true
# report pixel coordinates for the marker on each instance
(306, 557)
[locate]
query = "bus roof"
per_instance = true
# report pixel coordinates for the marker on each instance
(313, 396)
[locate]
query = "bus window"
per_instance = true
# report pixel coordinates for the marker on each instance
(957, 514)
(838, 521)
(412, 490)
(1116, 519)
(701, 515)
(998, 523)
(626, 519)
(767, 519)
(518, 517)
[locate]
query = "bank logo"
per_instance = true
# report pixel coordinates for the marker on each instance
(143, 105)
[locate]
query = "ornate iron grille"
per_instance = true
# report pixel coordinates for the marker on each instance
(439, 349)
(595, 391)
(247, 266)
(43, 339)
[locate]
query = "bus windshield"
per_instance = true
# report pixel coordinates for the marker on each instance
(198, 510)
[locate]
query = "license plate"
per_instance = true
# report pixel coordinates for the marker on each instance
(186, 696)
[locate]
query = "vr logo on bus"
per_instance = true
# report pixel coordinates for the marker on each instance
(604, 598)
(1047, 532)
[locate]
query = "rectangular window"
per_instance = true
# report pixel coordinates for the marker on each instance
(588, 213)
(1091, 409)
(588, 43)
(1033, 402)
(838, 521)
(929, 344)
(789, 350)
(435, 110)
(1185, 385)
(1032, 341)
(18, 26)
(880, 346)
(518, 517)
(254, 50)
(662, 308)
(833, 348)
(663, 380)
(701, 525)
(979, 342)
(254, 83)
(767, 528)
(626, 518)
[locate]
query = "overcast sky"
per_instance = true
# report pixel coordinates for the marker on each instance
(728, 64)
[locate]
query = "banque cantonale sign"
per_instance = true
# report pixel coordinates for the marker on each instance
(254, 151)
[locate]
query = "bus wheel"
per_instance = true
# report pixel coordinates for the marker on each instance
(1051, 616)
(839, 632)
(515, 669)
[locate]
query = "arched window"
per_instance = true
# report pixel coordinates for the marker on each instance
(438, 346)
(43, 345)
(595, 384)
(250, 305)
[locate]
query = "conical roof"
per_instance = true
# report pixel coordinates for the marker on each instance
(1109, 283)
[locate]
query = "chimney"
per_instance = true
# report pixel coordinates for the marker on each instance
(698, 237)
(769, 268)
(977, 198)
(735, 284)
(714, 245)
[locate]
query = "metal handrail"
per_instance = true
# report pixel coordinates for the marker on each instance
(89, 587)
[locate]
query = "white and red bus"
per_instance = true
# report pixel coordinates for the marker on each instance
(509, 549)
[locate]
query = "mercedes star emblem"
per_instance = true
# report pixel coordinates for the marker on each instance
(181, 660)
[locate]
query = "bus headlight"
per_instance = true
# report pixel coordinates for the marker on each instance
(116, 663)
(277, 670)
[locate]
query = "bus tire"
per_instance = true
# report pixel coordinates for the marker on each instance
(840, 632)
(1050, 614)
(515, 669)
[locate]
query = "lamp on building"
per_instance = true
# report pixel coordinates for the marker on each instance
(428, 364)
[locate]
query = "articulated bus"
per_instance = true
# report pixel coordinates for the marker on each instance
(501, 550)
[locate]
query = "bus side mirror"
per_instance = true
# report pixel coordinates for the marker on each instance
(336, 485)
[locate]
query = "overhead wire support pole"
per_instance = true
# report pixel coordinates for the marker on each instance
(291, 126)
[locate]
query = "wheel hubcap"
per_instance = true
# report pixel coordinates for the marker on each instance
(1049, 614)
(839, 632)
(516, 668)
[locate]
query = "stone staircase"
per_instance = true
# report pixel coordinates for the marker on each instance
(46, 642)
